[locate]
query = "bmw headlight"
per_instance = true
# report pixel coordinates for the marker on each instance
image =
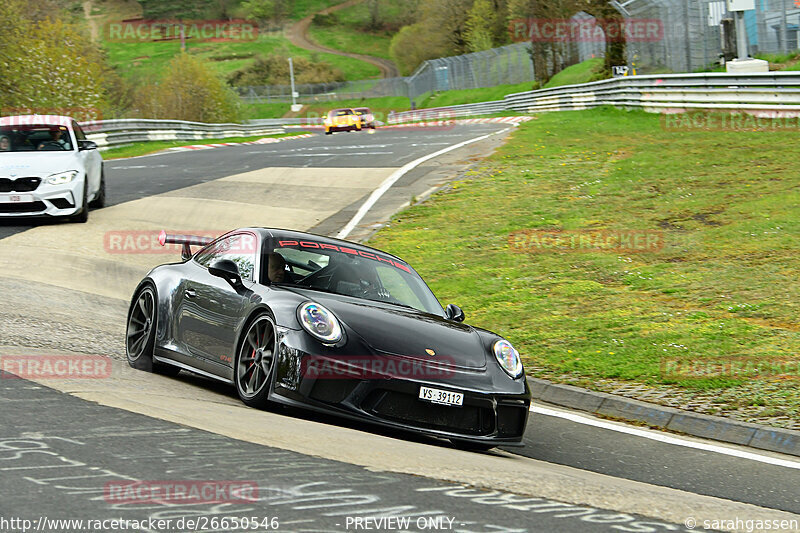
(320, 323)
(62, 177)
(508, 358)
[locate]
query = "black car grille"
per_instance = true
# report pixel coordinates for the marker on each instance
(332, 390)
(61, 203)
(22, 207)
(511, 420)
(20, 184)
(401, 407)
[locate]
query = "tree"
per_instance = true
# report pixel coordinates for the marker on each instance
(609, 19)
(480, 26)
(191, 91)
(47, 63)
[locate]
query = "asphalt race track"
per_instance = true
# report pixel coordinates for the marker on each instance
(65, 290)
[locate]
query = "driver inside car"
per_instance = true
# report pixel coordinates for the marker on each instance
(55, 142)
(276, 269)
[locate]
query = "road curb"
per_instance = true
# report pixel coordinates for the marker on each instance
(696, 424)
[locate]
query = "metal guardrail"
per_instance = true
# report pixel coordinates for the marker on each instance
(439, 113)
(776, 93)
(773, 91)
(109, 133)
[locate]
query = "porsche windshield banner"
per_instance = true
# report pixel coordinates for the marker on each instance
(310, 245)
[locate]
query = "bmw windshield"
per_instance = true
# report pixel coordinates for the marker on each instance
(34, 138)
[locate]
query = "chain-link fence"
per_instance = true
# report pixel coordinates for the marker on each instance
(499, 66)
(693, 31)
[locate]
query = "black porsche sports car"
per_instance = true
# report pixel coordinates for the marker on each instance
(329, 325)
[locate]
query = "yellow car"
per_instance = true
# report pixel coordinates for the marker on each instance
(342, 120)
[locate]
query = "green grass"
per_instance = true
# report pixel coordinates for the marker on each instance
(251, 111)
(303, 8)
(725, 204)
(149, 147)
(148, 60)
(350, 34)
(469, 96)
(583, 72)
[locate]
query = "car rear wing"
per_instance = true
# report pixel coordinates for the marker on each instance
(186, 240)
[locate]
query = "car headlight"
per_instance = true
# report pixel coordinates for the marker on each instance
(62, 177)
(508, 357)
(320, 323)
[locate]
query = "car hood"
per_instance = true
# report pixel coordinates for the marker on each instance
(42, 164)
(406, 332)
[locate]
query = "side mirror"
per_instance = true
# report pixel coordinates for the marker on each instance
(227, 270)
(87, 145)
(454, 313)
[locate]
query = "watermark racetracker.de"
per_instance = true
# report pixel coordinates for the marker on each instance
(36, 367)
(588, 30)
(731, 367)
(585, 241)
(178, 492)
(736, 121)
(144, 30)
(89, 118)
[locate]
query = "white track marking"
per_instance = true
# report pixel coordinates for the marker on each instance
(399, 173)
(663, 437)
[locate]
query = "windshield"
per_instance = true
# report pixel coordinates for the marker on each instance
(34, 137)
(341, 112)
(345, 271)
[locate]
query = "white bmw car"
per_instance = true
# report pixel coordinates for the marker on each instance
(48, 168)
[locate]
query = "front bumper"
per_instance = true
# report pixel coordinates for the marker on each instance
(45, 200)
(490, 414)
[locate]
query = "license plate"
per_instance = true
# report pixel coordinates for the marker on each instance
(443, 397)
(15, 198)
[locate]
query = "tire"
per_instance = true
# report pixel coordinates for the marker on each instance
(140, 334)
(471, 446)
(327, 132)
(252, 377)
(100, 201)
(82, 216)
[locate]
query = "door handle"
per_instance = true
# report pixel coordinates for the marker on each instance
(190, 293)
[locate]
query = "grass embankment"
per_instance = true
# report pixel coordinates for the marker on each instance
(724, 204)
(348, 29)
(147, 59)
(584, 72)
(150, 147)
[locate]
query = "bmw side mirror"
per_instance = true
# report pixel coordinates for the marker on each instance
(454, 313)
(87, 145)
(227, 270)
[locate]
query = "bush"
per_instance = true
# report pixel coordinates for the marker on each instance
(188, 91)
(273, 69)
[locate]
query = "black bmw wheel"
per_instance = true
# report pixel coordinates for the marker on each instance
(82, 216)
(141, 334)
(100, 200)
(255, 360)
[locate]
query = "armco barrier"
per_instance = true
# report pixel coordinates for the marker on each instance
(108, 133)
(769, 93)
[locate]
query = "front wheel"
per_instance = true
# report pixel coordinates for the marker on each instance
(82, 216)
(100, 199)
(255, 361)
(141, 334)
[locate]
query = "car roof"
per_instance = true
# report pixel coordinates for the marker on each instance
(45, 120)
(302, 235)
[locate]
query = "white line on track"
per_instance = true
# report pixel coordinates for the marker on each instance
(399, 173)
(663, 437)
